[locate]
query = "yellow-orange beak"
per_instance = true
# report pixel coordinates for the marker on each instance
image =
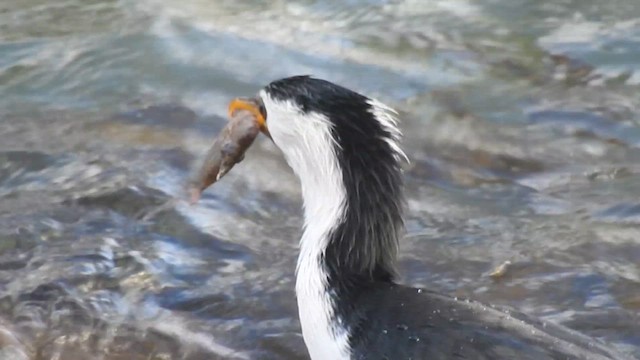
(254, 106)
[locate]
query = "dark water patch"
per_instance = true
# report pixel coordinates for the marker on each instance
(594, 289)
(14, 161)
(494, 190)
(611, 173)
(450, 173)
(185, 300)
(611, 325)
(550, 69)
(500, 165)
(130, 201)
(434, 271)
(177, 158)
(20, 167)
(624, 213)
(581, 123)
(214, 306)
(167, 115)
(186, 235)
(573, 72)
(288, 345)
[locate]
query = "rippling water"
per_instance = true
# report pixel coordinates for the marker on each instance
(521, 120)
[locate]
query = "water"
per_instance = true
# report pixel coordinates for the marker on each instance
(521, 121)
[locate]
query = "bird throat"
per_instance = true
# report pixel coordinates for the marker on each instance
(349, 244)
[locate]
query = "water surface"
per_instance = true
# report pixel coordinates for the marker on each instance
(521, 121)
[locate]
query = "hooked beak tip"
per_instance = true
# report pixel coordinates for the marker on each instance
(253, 105)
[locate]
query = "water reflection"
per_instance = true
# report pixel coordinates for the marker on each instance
(520, 119)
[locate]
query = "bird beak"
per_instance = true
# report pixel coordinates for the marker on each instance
(254, 106)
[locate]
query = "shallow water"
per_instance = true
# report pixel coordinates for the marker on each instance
(521, 122)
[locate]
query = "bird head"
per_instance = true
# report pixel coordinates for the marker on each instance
(315, 122)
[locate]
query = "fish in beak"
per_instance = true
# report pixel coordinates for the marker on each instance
(247, 118)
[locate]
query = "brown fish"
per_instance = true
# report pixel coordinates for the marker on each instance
(246, 121)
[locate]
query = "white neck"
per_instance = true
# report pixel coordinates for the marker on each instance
(324, 205)
(301, 138)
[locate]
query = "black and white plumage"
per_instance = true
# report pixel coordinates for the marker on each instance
(344, 147)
